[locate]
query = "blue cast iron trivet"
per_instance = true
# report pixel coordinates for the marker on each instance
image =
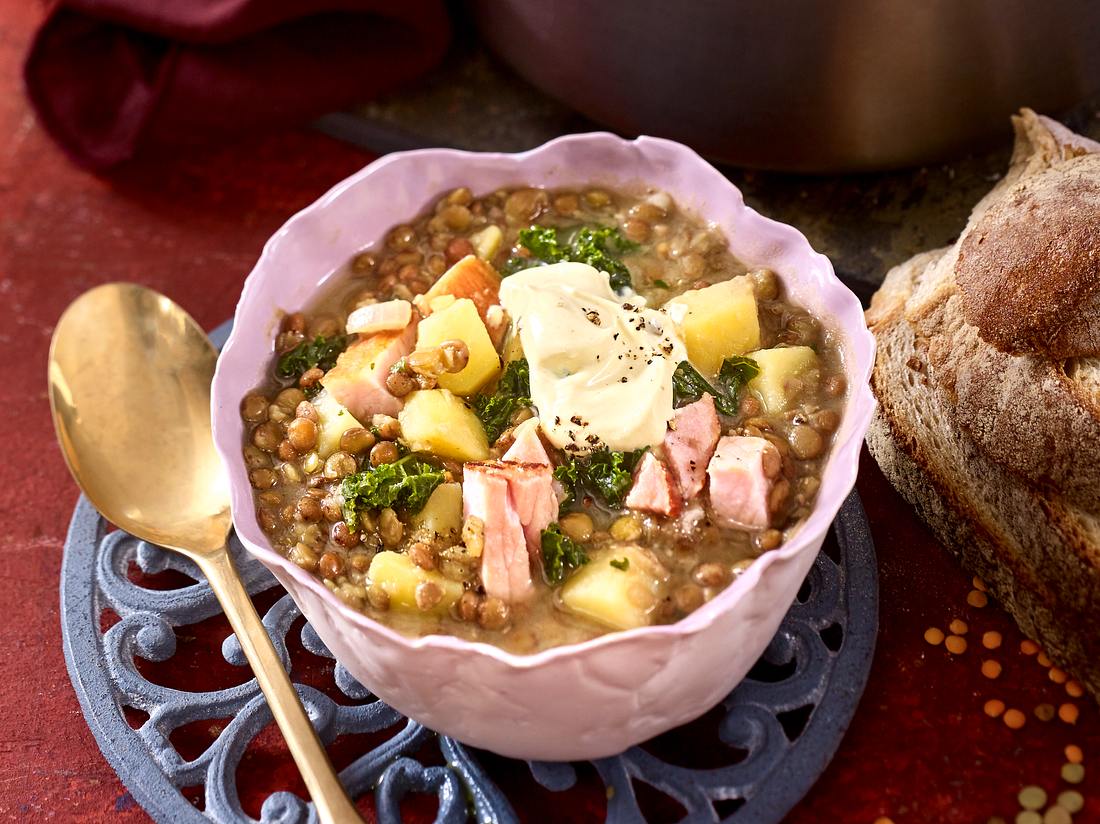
(782, 724)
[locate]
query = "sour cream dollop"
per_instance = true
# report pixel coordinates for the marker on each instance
(601, 365)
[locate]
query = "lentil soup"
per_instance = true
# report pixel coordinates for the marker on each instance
(536, 416)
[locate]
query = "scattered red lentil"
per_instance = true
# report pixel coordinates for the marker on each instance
(1068, 713)
(1045, 712)
(1072, 771)
(884, 819)
(977, 598)
(955, 644)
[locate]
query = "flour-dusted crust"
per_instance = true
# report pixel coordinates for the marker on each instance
(999, 451)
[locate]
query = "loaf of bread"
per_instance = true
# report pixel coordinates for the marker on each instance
(988, 381)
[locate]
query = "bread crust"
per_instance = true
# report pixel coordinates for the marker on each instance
(1029, 270)
(997, 451)
(1025, 413)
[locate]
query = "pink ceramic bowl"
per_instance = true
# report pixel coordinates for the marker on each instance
(586, 700)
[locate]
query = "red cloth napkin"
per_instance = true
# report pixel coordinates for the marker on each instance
(110, 78)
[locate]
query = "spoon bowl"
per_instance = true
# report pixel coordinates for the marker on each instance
(129, 384)
(129, 380)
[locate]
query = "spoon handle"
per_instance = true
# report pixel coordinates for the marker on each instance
(331, 801)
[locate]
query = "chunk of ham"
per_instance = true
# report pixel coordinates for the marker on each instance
(505, 562)
(689, 443)
(742, 473)
(527, 446)
(653, 489)
(388, 316)
(358, 380)
(532, 490)
(515, 502)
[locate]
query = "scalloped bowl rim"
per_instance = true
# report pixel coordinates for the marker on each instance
(838, 477)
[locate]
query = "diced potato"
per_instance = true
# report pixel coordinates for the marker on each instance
(487, 242)
(335, 421)
(721, 320)
(441, 302)
(398, 577)
(617, 598)
(435, 420)
(442, 514)
(784, 374)
(471, 278)
(460, 321)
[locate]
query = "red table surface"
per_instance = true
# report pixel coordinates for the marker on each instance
(919, 750)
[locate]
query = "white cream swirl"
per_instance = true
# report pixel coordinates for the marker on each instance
(601, 365)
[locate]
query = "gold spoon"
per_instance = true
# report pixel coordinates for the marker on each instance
(129, 377)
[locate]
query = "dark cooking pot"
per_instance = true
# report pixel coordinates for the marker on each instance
(813, 85)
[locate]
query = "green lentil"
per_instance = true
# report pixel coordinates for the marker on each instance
(1032, 797)
(1029, 817)
(1072, 801)
(1073, 773)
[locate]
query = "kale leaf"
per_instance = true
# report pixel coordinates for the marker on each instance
(407, 482)
(599, 247)
(321, 352)
(513, 392)
(689, 386)
(735, 374)
(605, 474)
(620, 563)
(543, 244)
(591, 246)
(560, 554)
(611, 474)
